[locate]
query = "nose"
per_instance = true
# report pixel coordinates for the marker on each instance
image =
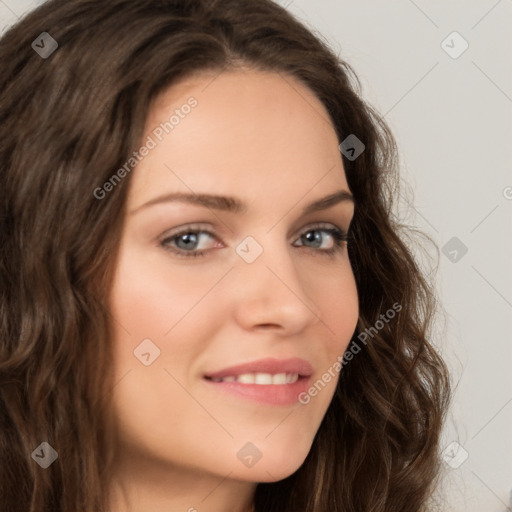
(271, 293)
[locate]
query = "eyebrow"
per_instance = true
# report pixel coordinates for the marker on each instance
(233, 205)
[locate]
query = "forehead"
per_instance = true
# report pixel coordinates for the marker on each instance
(247, 132)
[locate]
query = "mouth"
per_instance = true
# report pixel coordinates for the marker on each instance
(267, 381)
(261, 379)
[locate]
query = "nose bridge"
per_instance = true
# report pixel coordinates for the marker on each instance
(273, 291)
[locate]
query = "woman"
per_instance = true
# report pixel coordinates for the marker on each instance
(206, 300)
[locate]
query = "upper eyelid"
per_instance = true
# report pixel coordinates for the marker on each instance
(206, 228)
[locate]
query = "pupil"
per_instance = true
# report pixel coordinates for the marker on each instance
(189, 239)
(314, 236)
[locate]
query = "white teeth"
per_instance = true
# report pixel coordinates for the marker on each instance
(263, 379)
(279, 378)
(246, 378)
(291, 378)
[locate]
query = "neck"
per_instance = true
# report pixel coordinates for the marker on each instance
(139, 486)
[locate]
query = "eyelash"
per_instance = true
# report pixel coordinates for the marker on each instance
(340, 238)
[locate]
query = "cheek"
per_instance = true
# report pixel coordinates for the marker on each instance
(149, 302)
(151, 299)
(338, 305)
(338, 302)
(168, 314)
(145, 306)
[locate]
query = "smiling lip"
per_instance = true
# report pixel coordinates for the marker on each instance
(269, 394)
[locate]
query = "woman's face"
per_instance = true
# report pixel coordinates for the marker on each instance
(204, 286)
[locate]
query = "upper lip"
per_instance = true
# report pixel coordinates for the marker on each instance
(269, 365)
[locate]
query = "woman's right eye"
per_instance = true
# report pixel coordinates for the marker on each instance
(184, 243)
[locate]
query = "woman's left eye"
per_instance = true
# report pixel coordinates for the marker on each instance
(339, 238)
(189, 239)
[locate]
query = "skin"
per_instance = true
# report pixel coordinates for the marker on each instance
(267, 140)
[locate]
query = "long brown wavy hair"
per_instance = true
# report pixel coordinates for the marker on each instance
(68, 122)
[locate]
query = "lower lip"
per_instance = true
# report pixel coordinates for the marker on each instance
(270, 394)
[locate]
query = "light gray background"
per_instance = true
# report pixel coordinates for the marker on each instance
(452, 120)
